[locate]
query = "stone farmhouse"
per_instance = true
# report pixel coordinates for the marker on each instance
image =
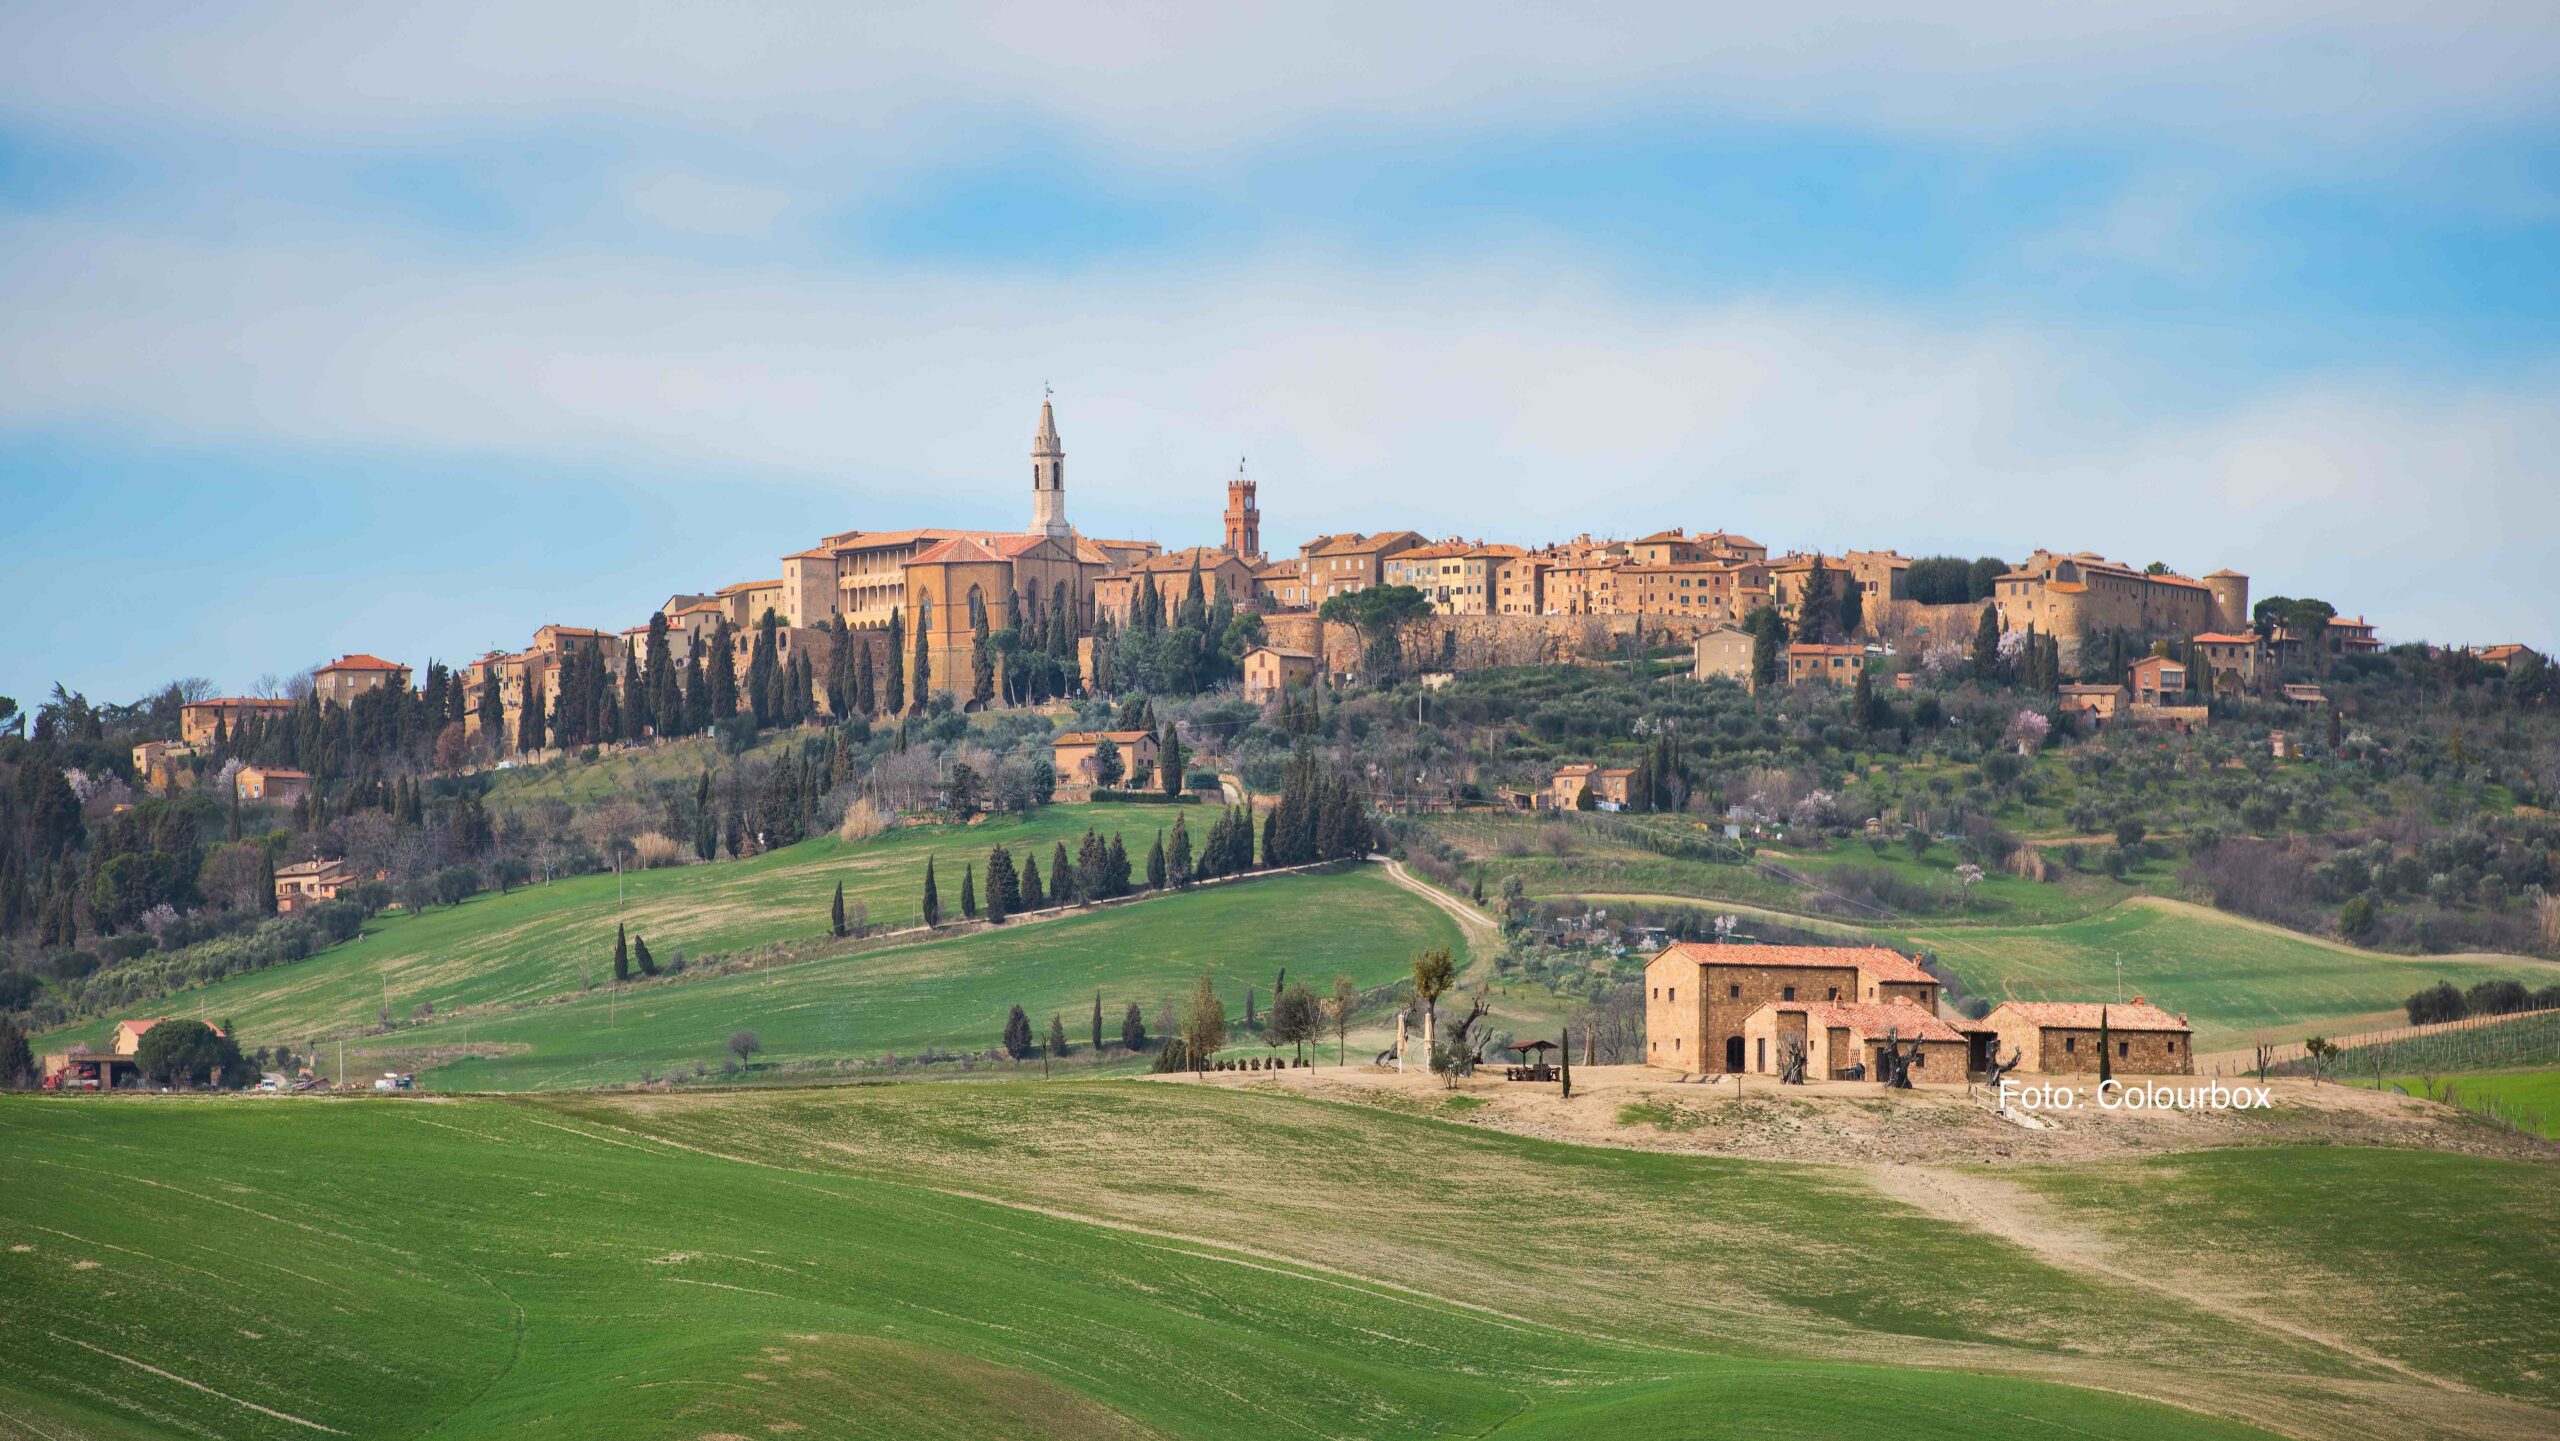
(1269, 671)
(1072, 755)
(1699, 997)
(1843, 1039)
(273, 785)
(307, 883)
(2062, 1037)
(1607, 786)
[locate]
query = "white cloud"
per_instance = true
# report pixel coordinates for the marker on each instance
(693, 203)
(1171, 78)
(1511, 400)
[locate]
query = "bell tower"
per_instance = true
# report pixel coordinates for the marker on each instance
(1048, 476)
(1244, 518)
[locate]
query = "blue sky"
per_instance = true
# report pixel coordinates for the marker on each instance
(332, 328)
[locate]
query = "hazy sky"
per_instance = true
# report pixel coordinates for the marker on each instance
(406, 329)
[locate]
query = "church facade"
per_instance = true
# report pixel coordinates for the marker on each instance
(943, 580)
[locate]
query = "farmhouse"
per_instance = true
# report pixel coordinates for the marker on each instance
(81, 1069)
(1842, 1039)
(272, 783)
(1607, 786)
(201, 723)
(307, 883)
(1269, 670)
(1725, 651)
(2061, 1037)
(349, 676)
(1072, 756)
(1697, 997)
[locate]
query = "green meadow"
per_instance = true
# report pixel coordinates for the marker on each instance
(950, 994)
(2237, 982)
(1124, 1258)
(2527, 1099)
(549, 940)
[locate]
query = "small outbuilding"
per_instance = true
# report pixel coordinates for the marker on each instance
(2065, 1037)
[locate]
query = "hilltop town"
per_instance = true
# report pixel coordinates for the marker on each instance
(877, 622)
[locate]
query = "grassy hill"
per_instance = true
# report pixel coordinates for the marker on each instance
(1092, 1259)
(952, 994)
(2237, 980)
(513, 973)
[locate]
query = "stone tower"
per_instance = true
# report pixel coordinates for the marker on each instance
(1244, 518)
(1048, 478)
(2230, 600)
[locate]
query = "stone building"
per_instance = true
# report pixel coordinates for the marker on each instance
(1846, 1038)
(863, 576)
(307, 883)
(2070, 596)
(1725, 651)
(201, 722)
(273, 784)
(2061, 1037)
(2099, 703)
(1716, 589)
(1269, 671)
(1243, 519)
(1342, 564)
(2231, 663)
(1825, 664)
(342, 680)
(1281, 585)
(1071, 756)
(1607, 786)
(1697, 997)
(1221, 572)
(2156, 680)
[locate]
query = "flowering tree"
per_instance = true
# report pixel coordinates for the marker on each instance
(2028, 728)
(1815, 809)
(1968, 876)
(2013, 643)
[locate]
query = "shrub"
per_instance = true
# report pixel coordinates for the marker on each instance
(654, 850)
(862, 821)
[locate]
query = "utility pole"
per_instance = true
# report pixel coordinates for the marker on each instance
(342, 1063)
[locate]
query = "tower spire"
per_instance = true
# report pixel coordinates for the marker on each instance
(1048, 474)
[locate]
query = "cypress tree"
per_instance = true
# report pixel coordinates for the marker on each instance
(923, 677)
(1062, 877)
(1116, 877)
(1004, 892)
(1155, 864)
(621, 954)
(1170, 759)
(1177, 861)
(982, 662)
(865, 698)
(1017, 1034)
(1032, 899)
(932, 897)
(1057, 1034)
(640, 956)
(493, 711)
(1986, 643)
(634, 711)
(1133, 1028)
(969, 892)
(835, 919)
(1097, 1021)
(723, 667)
(1819, 608)
(2106, 1049)
(893, 695)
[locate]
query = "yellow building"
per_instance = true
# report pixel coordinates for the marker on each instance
(2070, 596)
(349, 676)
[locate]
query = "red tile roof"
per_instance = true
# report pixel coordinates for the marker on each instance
(1876, 963)
(2216, 637)
(2083, 1015)
(361, 662)
(959, 550)
(1086, 738)
(1873, 1018)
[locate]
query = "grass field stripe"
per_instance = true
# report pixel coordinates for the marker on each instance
(197, 1385)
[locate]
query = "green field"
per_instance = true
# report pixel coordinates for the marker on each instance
(549, 940)
(2236, 981)
(1125, 1258)
(2527, 1099)
(952, 994)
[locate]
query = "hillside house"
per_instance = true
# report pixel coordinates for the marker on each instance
(1269, 671)
(1844, 1039)
(1697, 997)
(2061, 1037)
(1072, 756)
(2156, 680)
(272, 783)
(307, 883)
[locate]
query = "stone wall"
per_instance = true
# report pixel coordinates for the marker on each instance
(1483, 642)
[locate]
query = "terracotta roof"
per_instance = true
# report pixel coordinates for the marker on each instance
(361, 661)
(1873, 1018)
(1577, 770)
(1280, 570)
(1207, 557)
(1819, 650)
(1617, 770)
(2077, 689)
(1438, 550)
(1660, 537)
(276, 773)
(1086, 738)
(2083, 1015)
(263, 702)
(959, 550)
(2218, 637)
(1284, 654)
(309, 868)
(2225, 575)
(1876, 963)
(813, 553)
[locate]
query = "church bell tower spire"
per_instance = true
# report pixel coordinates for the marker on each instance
(1048, 475)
